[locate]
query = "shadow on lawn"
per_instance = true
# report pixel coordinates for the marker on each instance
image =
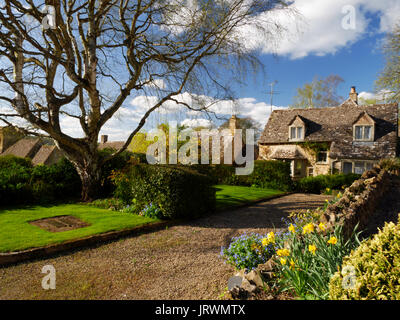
(263, 215)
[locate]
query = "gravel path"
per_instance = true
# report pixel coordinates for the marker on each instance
(180, 262)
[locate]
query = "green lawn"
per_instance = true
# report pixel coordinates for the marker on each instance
(232, 196)
(17, 234)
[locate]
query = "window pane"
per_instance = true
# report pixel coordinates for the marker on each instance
(299, 132)
(359, 167)
(358, 132)
(292, 133)
(347, 167)
(369, 165)
(322, 156)
(367, 132)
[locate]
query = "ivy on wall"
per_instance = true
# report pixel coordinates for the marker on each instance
(315, 147)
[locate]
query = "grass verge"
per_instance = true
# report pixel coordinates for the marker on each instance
(233, 196)
(17, 234)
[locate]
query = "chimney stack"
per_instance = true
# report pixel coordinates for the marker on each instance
(233, 124)
(104, 138)
(353, 94)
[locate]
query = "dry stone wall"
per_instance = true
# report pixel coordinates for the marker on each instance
(359, 201)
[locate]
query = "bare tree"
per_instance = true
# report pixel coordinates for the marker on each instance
(97, 53)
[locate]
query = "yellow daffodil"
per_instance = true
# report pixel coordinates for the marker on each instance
(292, 264)
(332, 240)
(322, 226)
(312, 248)
(292, 229)
(283, 261)
(264, 241)
(283, 252)
(271, 237)
(327, 189)
(308, 228)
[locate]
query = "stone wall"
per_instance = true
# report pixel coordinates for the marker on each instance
(359, 201)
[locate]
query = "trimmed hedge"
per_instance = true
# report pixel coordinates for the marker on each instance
(319, 183)
(179, 192)
(372, 271)
(266, 174)
(271, 174)
(21, 183)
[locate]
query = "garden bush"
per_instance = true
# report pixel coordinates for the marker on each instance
(373, 270)
(271, 174)
(21, 183)
(320, 183)
(179, 192)
(116, 163)
(266, 174)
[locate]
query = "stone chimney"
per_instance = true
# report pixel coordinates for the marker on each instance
(104, 138)
(233, 124)
(353, 94)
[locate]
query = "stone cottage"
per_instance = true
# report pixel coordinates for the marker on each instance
(348, 138)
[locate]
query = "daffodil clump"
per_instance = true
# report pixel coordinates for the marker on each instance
(249, 250)
(307, 255)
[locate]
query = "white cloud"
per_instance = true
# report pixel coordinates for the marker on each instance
(319, 31)
(194, 123)
(379, 96)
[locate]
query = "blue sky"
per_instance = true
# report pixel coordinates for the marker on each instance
(342, 37)
(358, 64)
(326, 37)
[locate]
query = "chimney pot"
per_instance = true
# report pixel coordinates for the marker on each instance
(104, 138)
(353, 94)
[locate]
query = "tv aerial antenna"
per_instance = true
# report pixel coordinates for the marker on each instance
(272, 92)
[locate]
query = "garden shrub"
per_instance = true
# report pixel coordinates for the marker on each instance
(21, 183)
(179, 192)
(116, 163)
(10, 160)
(266, 174)
(271, 174)
(373, 270)
(320, 183)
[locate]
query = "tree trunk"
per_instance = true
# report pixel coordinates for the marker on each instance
(90, 174)
(90, 185)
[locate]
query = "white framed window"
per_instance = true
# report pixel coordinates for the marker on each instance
(296, 133)
(363, 132)
(356, 166)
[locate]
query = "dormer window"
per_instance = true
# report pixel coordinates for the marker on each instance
(364, 128)
(363, 133)
(297, 129)
(296, 133)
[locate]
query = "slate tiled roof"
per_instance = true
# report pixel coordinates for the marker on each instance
(116, 145)
(335, 124)
(44, 154)
(25, 147)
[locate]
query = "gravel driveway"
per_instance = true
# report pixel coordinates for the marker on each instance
(180, 262)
